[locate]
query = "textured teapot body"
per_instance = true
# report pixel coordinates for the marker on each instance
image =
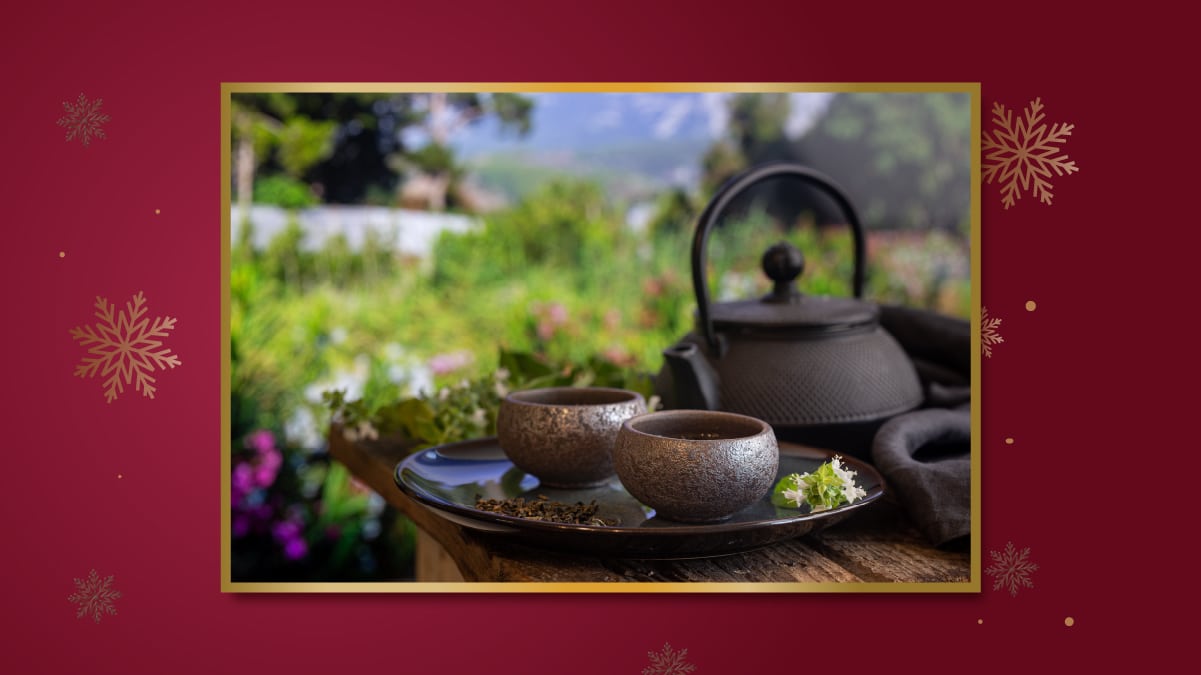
(859, 376)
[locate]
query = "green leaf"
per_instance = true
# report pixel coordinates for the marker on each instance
(790, 482)
(412, 416)
(523, 366)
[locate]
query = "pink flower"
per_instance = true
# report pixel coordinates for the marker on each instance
(551, 318)
(443, 364)
(612, 319)
(557, 314)
(359, 487)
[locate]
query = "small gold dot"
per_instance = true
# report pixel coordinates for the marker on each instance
(1030, 306)
(62, 254)
(979, 620)
(1009, 441)
(120, 476)
(1069, 622)
(156, 212)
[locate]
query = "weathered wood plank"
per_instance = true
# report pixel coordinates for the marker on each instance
(881, 545)
(432, 562)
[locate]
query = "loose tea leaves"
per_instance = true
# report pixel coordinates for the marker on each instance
(543, 509)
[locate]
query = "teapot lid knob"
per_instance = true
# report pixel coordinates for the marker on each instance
(783, 263)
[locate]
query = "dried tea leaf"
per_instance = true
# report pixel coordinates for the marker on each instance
(543, 509)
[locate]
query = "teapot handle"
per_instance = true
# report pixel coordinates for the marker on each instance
(734, 187)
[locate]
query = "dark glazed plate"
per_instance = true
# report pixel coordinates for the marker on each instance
(448, 479)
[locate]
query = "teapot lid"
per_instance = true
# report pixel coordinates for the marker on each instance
(786, 308)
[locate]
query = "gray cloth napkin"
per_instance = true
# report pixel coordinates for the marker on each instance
(925, 455)
(926, 458)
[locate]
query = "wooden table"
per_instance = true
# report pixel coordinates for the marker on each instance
(877, 545)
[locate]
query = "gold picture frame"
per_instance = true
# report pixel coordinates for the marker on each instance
(228, 90)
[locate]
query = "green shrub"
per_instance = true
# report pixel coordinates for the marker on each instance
(281, 190)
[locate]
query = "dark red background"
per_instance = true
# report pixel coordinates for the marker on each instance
(1092, 385)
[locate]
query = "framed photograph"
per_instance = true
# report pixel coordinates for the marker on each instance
(601, 337)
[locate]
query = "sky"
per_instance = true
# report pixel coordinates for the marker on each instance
(575, 120)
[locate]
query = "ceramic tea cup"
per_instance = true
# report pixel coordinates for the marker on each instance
(564, 435)
(696, 465)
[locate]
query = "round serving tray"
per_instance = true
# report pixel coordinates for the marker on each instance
(449, 479)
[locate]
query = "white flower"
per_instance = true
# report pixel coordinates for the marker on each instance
(843, 473)
(479, 417)
(367, 431)
(850, 491)
(363, 431)
(443, 394)
(853, 492)
(795, 496)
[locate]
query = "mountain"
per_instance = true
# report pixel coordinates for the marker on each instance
(635, 144)
(589, 120)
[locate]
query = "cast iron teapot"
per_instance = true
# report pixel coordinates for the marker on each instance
(821, 370)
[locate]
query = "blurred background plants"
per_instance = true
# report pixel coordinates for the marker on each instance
(572, 266)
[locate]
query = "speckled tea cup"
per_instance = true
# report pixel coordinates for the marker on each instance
(564, 435)
(696, 465)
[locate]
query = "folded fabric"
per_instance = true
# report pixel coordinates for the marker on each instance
(939, 345)
(925, 457)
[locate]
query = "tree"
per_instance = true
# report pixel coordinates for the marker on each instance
(268, 126)
(351, 148)
(901, 158)
(432, 169)
(755, 134)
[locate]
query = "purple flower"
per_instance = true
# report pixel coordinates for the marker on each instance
(268, 467)
(290, 535)
(286, 530)
(242, 483)
(262, 441)
(241, 525)
(262, 470)
(295, 549)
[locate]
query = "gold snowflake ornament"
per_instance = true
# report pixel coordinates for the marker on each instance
(1011, 569)
(125, 347)
(94, 596)
(668, 662)
(1022, 153)
(83, 119)
(989, 337)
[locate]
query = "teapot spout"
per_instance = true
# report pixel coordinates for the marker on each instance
(694, 382)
